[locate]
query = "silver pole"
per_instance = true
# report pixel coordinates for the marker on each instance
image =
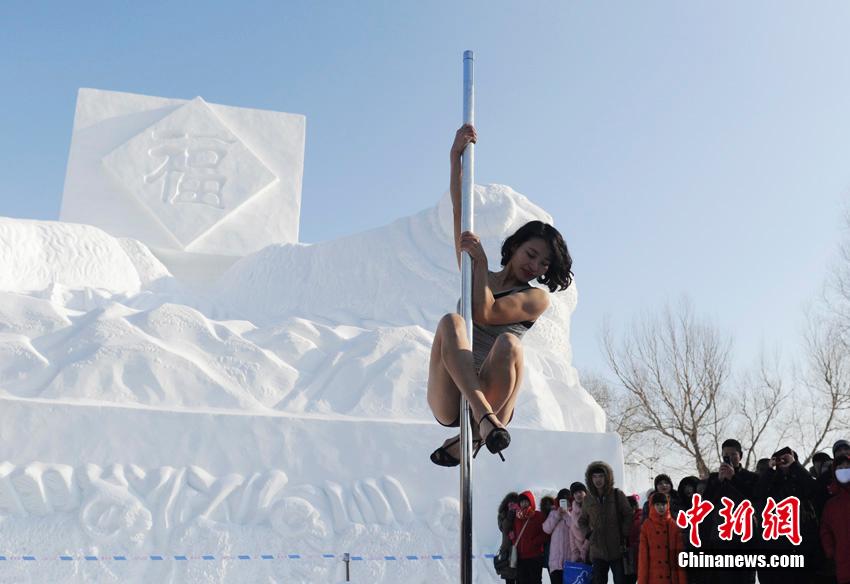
(466, 224)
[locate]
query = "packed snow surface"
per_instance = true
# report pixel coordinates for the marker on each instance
(278, 409)
(342, 327)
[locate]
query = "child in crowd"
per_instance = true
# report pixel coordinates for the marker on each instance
(660, 543)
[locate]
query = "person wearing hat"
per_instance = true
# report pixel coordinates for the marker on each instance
(579, 544)
(660, 544)
(790, 479)
(835, 522)
(606, 518)
(529, 539)
(822, 463)
(841, 448)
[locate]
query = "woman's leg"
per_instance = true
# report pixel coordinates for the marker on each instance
(452, 371)
(501, 375)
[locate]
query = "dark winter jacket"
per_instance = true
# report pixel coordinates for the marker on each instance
(506, 526)
(741, 487)
(530, 545)
(794, 482)
(835, 531)
(634, 542)
(606, 516)
(825, 486)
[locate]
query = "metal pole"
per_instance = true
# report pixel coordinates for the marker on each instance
(347, 559)
(466, 224)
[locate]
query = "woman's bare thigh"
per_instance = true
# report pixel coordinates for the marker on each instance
(501, 374)
(443, 393)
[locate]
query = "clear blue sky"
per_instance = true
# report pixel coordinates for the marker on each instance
(695, 148)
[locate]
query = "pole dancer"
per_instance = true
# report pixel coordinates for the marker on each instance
(496, 309)
(488, 371)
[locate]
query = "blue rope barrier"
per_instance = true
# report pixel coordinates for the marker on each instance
(240, 557)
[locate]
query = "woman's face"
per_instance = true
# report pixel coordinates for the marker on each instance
(578, 497)
(531, 259)
(664, 487)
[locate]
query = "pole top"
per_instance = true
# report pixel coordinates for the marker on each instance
(468, 55)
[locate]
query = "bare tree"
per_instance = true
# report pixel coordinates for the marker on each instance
(825, 405)
(837, 289)
(759, 403)
(675, 368)
(822, 402)
(620, 410)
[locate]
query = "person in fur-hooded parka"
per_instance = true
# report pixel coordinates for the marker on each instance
(606, 519)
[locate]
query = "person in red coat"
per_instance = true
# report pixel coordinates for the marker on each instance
(529, 537)
(660, 544)
(835, 522)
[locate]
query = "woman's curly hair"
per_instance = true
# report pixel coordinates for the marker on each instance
(559, 276)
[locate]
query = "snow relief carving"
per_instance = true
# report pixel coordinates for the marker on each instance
(185, 175)
(190, 170)
(185, 512)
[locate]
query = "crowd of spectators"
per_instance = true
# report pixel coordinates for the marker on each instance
(596, 524)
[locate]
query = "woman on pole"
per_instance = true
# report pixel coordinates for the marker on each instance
(504, 306)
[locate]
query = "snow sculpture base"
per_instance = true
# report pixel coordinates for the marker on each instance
(141, 483)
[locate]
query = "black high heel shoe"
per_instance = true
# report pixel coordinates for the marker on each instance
(442, 456)
(497, 439)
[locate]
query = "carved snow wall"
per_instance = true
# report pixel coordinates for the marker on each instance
(115, 494)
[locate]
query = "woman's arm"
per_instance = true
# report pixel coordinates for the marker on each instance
(463, 136)
(519, 307)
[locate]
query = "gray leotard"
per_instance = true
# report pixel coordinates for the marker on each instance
(484, 335)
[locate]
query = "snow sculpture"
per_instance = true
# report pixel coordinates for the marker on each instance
(258, 430)
(184, 175)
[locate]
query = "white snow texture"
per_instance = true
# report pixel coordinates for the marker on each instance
(342, 327)
(281, 411)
